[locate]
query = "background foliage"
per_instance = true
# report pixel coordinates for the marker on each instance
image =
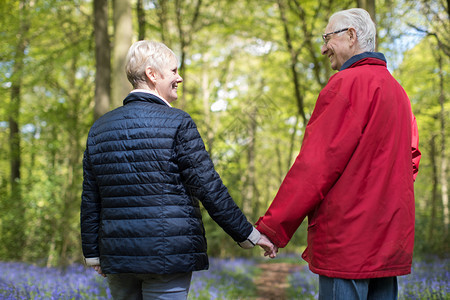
(252, 71)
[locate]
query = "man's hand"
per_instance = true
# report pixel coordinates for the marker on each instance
(99, 270)
(269, 248)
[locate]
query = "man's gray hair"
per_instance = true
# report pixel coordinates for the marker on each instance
(144, 54)
(360, 20)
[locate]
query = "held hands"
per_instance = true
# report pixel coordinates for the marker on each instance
(99, 270)
(269, 248)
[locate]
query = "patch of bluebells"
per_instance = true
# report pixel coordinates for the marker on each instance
(225, 279)
(26, 281)
(303, 283)
(429, 279)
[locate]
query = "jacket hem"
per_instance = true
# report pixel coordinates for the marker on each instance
(360, 275)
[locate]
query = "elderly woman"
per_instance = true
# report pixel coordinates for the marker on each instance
(145, 169)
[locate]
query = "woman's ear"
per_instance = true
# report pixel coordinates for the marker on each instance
(151, 75)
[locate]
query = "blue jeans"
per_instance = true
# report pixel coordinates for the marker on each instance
(385, 288)
(149, 286)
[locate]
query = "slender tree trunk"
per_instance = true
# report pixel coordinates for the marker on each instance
(70, 200)
(16, 227)
(293, 143)
(281, 168)
(434, 195)
(294, 61)
(182, 35)
(206, 95)
(308, 38)
(14, 109)
(102, 59)
(444, 162)
(251, 191)
(141, 19)
(52, 164)
(295, 75)
(185, 37)
(161, 7)
(123, 32)
(369, 5)
(14, 139)
(448, 8)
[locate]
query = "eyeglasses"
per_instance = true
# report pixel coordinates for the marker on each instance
(325, 35)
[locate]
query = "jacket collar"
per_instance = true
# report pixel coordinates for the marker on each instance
(354, 59)
(146, 97)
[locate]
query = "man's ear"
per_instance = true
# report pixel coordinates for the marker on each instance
(352, 36)
(151, 74)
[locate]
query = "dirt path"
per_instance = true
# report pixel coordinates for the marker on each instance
(272, 282)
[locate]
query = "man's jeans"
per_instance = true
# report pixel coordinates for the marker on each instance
(149, 286)
(385, 288)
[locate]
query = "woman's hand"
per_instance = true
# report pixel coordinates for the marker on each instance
(99, 270)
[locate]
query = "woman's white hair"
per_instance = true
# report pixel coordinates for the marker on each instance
(144, 54)
(360, 20)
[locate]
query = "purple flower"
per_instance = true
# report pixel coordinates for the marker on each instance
(27, 281)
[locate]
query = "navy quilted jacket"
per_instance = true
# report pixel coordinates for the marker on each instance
(145, 168)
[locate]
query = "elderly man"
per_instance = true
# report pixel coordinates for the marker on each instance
(145, 170)
(354, 175)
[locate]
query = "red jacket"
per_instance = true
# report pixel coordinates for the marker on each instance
(354, 177)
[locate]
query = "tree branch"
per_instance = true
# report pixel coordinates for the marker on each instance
(445, 48)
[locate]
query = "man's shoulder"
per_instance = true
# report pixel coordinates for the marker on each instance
(360, 73)
(357, 80)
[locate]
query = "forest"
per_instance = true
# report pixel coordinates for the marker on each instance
(252, 72)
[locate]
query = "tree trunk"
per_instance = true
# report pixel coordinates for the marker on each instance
(251, 191)
(102, 59)
(443, 174)
(293, 143)
(15, 228)
(308, 38)
(369, 5)
(295, 75)
(14, 109)
(70, 200)
(434, 190)
(182, 35)
(141, 20)
(123, 32)
(294, 61)
(185, 38)
(161, 7)
(206, 96)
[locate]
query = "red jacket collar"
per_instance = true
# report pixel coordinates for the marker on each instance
(373, 58)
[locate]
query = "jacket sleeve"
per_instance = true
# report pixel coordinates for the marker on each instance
(90, 211)
(203, 182)
(331, 137)
(416, 155)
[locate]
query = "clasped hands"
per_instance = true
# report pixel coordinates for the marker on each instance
(269, 248)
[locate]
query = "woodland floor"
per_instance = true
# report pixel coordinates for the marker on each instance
(272, 283)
